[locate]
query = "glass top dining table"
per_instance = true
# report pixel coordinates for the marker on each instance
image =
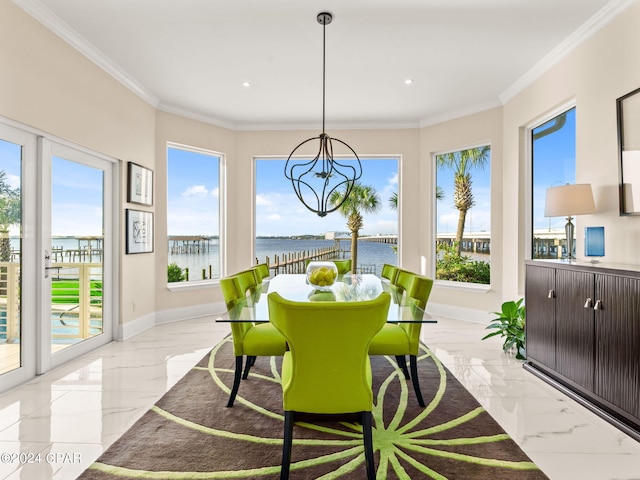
(347, 288)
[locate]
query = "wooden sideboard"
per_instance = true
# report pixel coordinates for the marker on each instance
(583, 335)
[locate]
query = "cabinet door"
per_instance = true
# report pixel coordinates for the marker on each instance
(540, 320)
(574, 326)
(617, 378)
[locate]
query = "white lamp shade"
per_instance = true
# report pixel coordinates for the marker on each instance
(569, 200)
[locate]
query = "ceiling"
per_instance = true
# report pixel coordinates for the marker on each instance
(192, 56)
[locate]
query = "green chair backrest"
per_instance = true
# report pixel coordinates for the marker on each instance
(344, 266)
(417, 289)
(262, 270)
(229, 287)
(247, 281)
(329, 344)
(234, 290)
(389, 272)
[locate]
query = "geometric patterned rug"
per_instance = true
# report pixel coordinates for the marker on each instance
(189, 434)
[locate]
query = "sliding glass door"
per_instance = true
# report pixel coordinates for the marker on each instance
(56, 253)
(76, 251)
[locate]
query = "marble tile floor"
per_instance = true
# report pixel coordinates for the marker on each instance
(71, 415)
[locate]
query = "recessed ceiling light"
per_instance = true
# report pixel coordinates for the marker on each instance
(408, 81)
(246, 84)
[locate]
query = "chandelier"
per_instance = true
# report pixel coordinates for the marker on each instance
(315, 181)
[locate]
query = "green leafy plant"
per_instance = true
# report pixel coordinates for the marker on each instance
(453, 266)
(175, 273)
(510, 325)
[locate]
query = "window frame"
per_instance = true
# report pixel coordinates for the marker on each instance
(528, 170)
(195, 284)
(434, 215)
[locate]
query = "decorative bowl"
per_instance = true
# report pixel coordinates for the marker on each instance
(322, 295)
(322, 274)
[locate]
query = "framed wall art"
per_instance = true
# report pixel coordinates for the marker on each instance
(594, 241)
(140, 187)
(139, 231)
(628, 109)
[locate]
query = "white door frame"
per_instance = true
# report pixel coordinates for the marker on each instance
(48, 149)
(28, 328)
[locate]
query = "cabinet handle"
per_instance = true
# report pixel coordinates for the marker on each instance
(598, 305)
(588, 303)
(552, 294)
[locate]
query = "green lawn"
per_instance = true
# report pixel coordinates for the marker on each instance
(67, 291)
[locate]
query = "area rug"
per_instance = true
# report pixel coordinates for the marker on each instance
(189, 434)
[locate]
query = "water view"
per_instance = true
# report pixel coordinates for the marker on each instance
(370, 254)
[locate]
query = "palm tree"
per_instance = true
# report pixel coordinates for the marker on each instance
(361, 199)
(9, 214)
(393, 199)
(462, 163)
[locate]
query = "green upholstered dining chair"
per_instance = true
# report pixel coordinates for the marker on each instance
(389, 272)
(249, 340)
(402, 339)
(343, 266)
(326, 369)
(262, 271)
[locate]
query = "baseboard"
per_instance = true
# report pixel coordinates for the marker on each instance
(135, 326)
(139, 325)
(188, 313)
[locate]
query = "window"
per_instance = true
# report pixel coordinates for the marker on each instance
(553, 160)
(193, 214)
(463, 215)
(286, 231)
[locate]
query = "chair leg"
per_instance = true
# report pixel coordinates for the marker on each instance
(286, 445)
(247, 367)
(368, 444)
(236, 381)
(402, 363)
(413, 362)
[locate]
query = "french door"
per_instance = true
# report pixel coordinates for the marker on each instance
(56, 253)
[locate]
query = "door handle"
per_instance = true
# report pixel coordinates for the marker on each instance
(552, 294)
(588, 303)
(47, 264)
(598, 305)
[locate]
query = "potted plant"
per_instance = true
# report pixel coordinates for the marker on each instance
(510, 325)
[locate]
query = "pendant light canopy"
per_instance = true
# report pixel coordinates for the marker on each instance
(314, 181)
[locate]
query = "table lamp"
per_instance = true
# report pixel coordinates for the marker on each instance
(569, 200)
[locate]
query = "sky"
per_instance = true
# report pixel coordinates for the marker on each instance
(478, 218)
(554, 165)
(279, 212)
(193, 192)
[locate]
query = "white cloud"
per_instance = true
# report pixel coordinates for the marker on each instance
(195, 191)
(264, 200)
(13, 180)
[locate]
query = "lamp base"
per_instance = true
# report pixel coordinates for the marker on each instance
(569, 231)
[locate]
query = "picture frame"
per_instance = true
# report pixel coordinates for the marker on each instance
(140, 185)
(628, 113)
(594, 241)
(139, 231)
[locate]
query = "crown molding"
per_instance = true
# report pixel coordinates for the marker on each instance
(586, 30)
(47, 18)
(459, 113)
(317, 126)
(273, 126)
(200, 117)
